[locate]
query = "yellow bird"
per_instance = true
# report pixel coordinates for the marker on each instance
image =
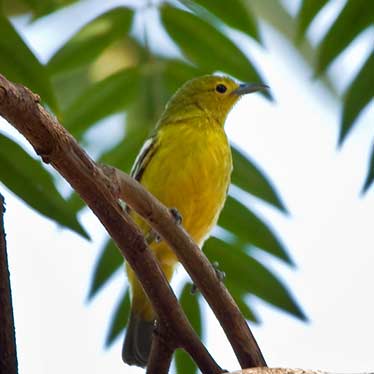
(186, 164)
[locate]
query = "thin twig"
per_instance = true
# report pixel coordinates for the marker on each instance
(8, 349)
(56, 146)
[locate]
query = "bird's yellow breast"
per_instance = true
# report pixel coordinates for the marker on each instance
(190, 170)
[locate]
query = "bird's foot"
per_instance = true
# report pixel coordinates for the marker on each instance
(220, 275)
(152, 237)
(176, 215)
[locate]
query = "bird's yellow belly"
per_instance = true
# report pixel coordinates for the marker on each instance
(190, 172)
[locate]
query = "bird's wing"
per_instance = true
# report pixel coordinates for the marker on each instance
(142, 160)
(145, 155)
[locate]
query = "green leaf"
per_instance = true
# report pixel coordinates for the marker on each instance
(246, 310)
(238, 15)
(191, 307)
(249, 178)
(355, 17)
(119, 319)
(206, 46)
(239, 296)
(20, 65)
(357, 96)
(37, 7)
(370, 174)
(109, 261)
(13, 8)
(275, 14)
(33, 184)
(176, 73)
(106, 97)
(183, 363)
(43, 7)
(249, 229)
(88, 43)
(308, 10)
(250, 276)
(153, 93)
(70, 85)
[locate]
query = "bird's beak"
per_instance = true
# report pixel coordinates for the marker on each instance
(246, 88)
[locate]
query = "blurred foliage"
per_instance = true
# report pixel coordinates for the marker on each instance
(37, 8)
(109, 66)
(356, 17)
(32, 183)
(20, 64)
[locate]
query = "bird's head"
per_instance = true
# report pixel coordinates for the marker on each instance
(209, 95)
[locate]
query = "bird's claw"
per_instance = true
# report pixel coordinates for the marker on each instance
(176, 215)
(152, 237)
(220, 275)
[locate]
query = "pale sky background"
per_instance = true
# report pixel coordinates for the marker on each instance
(328, 233)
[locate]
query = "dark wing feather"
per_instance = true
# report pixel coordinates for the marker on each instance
(142, 160)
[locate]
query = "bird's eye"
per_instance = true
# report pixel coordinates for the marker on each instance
(221, 88)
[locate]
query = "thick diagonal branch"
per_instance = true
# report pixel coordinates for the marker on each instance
(56, 146)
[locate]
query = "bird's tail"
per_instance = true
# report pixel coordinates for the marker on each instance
(137, 344)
